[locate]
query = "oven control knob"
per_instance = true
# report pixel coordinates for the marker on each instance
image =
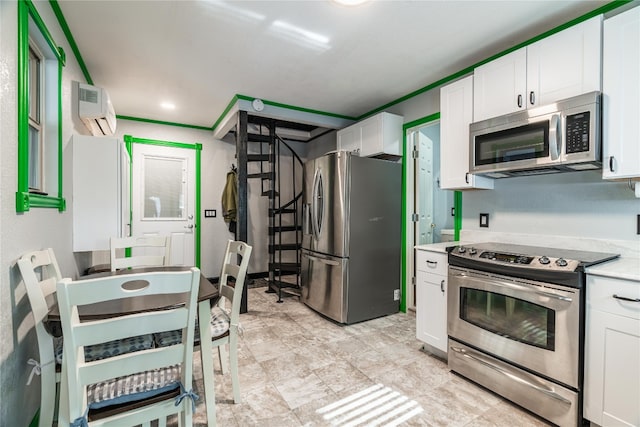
(472, 251)
(544, 260)
(561, 262)
(462, 249)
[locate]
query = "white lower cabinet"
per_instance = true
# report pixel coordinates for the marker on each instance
(431, 300)
(612, 352)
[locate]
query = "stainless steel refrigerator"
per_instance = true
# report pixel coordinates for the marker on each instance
(351, 237)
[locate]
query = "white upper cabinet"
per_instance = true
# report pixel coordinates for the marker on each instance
(456, 113)
(621, 103)
(376, 135)
(560, 66)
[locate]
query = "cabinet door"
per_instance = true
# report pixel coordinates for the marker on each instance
(371, 132)
(125, 193)
(621, 88)
(431, 310)
(565, 64)
(612, 371)
(500, 86)
(456, 113)
(349, 139)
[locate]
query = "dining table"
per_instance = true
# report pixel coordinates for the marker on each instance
(207, 294)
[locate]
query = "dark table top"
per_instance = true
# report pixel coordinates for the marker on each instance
(207, 291)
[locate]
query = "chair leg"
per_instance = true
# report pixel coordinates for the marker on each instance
(47, 395)
(233, 357)
(222, 357)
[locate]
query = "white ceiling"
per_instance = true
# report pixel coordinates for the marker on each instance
(312, 54)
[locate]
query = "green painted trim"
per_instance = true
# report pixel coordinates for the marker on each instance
(36, 419)
(293, 107)
(25, 200)
(457, 219)
(72, 43)
(130, 140)
(22, 203)
(198, 203)
(468, 70)
(405, 198)
(160, 122)
(403, 226)
(33, 12)
(226, 110)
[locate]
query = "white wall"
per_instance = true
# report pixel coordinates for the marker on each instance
(36, 229)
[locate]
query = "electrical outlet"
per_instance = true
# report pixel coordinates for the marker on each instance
(453, 211)
(484, 220)
(209, 213)
(396, 294)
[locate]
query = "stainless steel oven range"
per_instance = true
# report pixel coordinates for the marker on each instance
(516, 324)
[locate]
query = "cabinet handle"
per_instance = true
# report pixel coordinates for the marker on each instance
(442, 286)
(626, 299)
(532, 98)
(611, 164)
(466, 177)
(519, 101)
(434, 263)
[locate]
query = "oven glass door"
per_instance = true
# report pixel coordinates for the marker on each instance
(510, 317)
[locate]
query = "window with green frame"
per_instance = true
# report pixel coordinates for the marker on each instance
(40, 63)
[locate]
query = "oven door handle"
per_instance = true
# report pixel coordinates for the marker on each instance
(542, 388)
(517, 287)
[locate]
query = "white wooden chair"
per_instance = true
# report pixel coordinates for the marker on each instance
(147, 251)
(144, 385)
(40, 273)
(225, 321)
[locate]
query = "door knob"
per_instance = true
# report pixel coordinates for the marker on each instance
(190, 226)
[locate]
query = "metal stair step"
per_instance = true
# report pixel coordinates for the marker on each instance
(280, 229)
(285, 267)
(284, 247)
(263, 175)
(269, 193)
(258, 157)
(254, 137)
(273, 212)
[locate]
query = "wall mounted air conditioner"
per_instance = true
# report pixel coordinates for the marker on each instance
(95, 110)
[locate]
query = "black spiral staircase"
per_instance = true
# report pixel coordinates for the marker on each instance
(267, 155)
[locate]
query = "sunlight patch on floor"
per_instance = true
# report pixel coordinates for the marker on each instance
(375, 406)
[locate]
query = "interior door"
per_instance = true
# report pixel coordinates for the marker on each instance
(163, 197)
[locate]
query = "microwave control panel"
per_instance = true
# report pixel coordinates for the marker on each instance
(577, 131)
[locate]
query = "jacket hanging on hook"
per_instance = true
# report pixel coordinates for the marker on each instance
(230, 199)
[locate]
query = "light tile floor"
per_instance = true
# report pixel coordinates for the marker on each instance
(296, 367)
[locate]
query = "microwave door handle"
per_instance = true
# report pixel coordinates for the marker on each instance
(555, 137)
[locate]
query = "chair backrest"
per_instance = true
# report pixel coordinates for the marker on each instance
(146, 251)
(40, 274)
(81, 373)
(231, 267)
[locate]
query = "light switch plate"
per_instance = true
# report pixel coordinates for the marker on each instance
(209, 213)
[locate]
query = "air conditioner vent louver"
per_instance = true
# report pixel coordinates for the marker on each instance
(88, 95)
(95, 110)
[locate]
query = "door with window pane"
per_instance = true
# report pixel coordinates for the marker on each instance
(163, 197)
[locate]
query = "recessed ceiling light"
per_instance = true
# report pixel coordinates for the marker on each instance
(350, 2)
(168, 105)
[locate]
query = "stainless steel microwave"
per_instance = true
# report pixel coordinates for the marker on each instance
(559, 137)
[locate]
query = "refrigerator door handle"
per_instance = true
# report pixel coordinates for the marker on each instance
(306, 218)
(317, 205)
(318, 259)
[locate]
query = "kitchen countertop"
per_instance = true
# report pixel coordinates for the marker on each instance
(439, 247)
(620, 268)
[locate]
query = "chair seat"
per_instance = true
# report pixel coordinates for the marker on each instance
(135, 387)
(219, 326)
(108, 349)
